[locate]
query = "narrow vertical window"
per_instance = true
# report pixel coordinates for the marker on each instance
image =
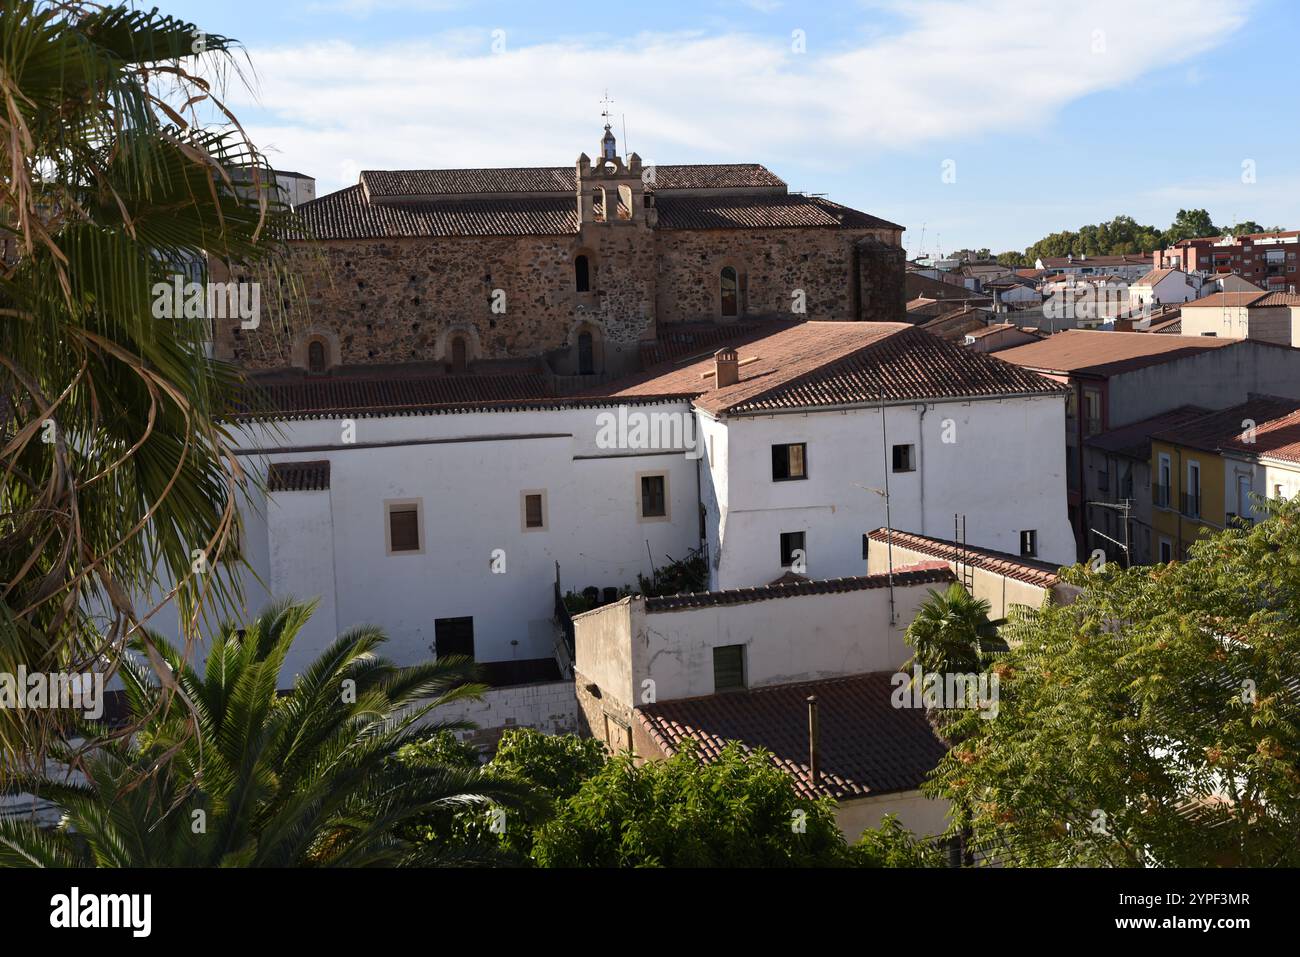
(458, 354)
(316, 357)
(730, 292)
(582, 274)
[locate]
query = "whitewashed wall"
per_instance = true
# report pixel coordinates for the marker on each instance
(799, 638)
(467, 471)
(1004, 470)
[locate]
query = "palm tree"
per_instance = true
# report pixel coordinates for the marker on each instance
(115, 470)
(950, 630)
(222, 770)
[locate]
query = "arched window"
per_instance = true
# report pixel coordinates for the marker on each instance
(458, 354)
(316, 357)
(730, 292)
(586, 354)
(582, 274)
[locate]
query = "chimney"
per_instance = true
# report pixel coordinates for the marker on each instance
(813, 743)
(726, 367)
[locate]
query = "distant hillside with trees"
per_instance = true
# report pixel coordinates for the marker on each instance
(1124, 235)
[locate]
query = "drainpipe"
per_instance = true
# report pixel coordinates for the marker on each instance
(813, 742)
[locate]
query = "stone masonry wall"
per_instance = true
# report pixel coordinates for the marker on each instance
(772, 264)
(401, 300)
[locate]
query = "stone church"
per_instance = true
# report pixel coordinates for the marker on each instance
(564, 271)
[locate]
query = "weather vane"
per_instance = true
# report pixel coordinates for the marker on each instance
(606, 101)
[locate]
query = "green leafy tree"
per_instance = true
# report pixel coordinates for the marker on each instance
(549, 767)
(737, 811)
(1156, 720)
(1190, 224)
(241, 776)
(948, 631)
(893, 845)
(116, 467)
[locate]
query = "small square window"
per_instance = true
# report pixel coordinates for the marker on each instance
(792, 543)
(1029, 543)
(532, 504)
(789, 462)
(904, 458)
(652, 497)
(729, 668)
(403, 527)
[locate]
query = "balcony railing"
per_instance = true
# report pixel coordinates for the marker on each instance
(1160, 496)
(1190, 504)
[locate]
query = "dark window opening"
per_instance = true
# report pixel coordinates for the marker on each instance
(404, 529)
(453, 636)
(316, 357)
(730, 292)
(792, 542)
(582, 274)
(533, 517)
(1029, 543)
(653, 499)
(729, 668)
(586, 354)
(904, 458)
(789, 462)
(458, 354)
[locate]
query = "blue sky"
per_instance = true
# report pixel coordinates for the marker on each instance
(1046, 115)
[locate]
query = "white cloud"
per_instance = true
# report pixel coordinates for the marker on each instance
(953, 70)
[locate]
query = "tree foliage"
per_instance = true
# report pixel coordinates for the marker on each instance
(948, 630)
(247, 777)
(1156, 720)
(117, 469)
(737, 811)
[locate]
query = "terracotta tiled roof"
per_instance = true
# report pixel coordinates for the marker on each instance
(675, 341)
(1066, 262)
(866, 746)
(1155, 276)
(761, 212)
(309, 397)
(1027, 570)
(347, 215)
(827, 364)
(1134, 440)
(1221, 300)
(989, 330)
(1107, 353)
(712, 176)
(794, 589)
(298, 476)
(391, 184)
(1276, 433)
(1277, 299)
(1168, 327)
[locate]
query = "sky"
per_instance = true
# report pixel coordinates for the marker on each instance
(973, 124)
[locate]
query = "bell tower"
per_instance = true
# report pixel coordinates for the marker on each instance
(610, 191)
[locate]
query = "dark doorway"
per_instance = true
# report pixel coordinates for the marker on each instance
(586, 354)
(453, 636)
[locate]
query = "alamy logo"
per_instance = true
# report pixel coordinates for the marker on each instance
(56, 690)
(214, 300)
(933, 689)
(649, 430)
(133, 911)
